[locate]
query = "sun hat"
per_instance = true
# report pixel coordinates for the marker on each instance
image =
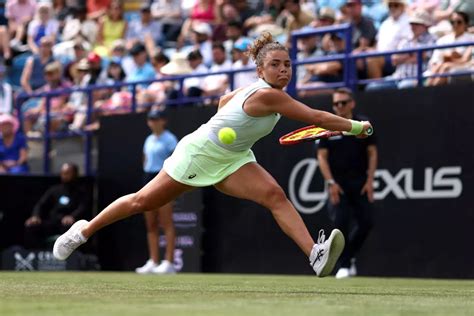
(6, 118)
(178, 65)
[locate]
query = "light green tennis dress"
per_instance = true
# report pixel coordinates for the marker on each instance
(200, 159)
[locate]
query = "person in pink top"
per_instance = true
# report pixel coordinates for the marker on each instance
(204, 11)
(18, 13)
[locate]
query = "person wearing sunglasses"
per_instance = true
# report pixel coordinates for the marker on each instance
(407, 64)
(348, 165)
(443, 60)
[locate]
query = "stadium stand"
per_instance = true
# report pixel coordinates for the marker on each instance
(382, 34)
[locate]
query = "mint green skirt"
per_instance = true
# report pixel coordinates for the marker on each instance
(197, 161)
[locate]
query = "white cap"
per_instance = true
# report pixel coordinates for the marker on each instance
(421, 17)
(202, 28)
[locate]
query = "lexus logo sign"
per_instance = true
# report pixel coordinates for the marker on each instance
(444, 183)
(300, 191)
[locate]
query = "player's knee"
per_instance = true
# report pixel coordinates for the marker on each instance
(273, 196)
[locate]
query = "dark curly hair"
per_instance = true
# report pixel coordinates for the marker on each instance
(262, 45)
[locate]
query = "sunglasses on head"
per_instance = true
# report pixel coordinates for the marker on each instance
(456, 22)
(341, 102)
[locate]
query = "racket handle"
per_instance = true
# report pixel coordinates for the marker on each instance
(368, 132)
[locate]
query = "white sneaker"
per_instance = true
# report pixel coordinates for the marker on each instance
(324, 254)
(147, 267)
(69, 241)
(343, 273)
(165, 267)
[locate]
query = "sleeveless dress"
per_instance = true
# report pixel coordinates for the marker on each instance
(113, 31)
(200, 159)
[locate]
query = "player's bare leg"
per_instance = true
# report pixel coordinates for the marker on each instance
(156, 193)
(252, 182)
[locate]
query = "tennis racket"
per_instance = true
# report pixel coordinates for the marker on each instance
(311, 133)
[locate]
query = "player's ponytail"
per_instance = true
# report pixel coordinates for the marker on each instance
(262, 45)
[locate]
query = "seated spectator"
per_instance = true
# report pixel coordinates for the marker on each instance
(5, 49)
(6, 93)
(395, 29)
(80, 52)
(201, 39)
(309, 48)
(215, 85)
(143, 69)
(32, 77)
(98, 73)
(363, 29)
(43, 24)
(111, 28)
(325, 17)
(297, 18)
(156, 90)
(60, 113)
(407, 64)
(138, 29)
(330, 71)
(97, 8)
(192, 86)
(19, 13)
(233, 33)
(78, 99)
(169, 14)
(59, 207)
(443, 60)
(80, 26)
(60, 12)
(13, 148)
(203, 12)
(243, 79)
(447, 7)
(178, 65)
(115, 72)
(267, 14)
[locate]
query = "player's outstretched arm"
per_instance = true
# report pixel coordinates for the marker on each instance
(276, 101)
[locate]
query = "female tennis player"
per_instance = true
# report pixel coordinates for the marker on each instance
(200, 159)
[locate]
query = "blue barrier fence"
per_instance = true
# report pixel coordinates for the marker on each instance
(350, 79)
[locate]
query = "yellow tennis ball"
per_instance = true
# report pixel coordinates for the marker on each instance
(227, 135)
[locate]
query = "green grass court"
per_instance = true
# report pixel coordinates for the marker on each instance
(126, 294)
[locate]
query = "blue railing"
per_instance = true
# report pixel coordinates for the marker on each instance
(349, 80)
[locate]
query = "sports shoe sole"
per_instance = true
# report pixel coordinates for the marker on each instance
(337, 242)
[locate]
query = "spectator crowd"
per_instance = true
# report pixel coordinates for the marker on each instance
(69, 44)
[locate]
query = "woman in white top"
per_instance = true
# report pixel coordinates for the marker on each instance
(443, 60)
(200, 159)
(42, 25)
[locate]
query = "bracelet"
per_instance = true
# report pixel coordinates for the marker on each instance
(356, 128)
(330, 182)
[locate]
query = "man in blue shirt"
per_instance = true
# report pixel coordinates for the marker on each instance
(143, 69)
(145, 26)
